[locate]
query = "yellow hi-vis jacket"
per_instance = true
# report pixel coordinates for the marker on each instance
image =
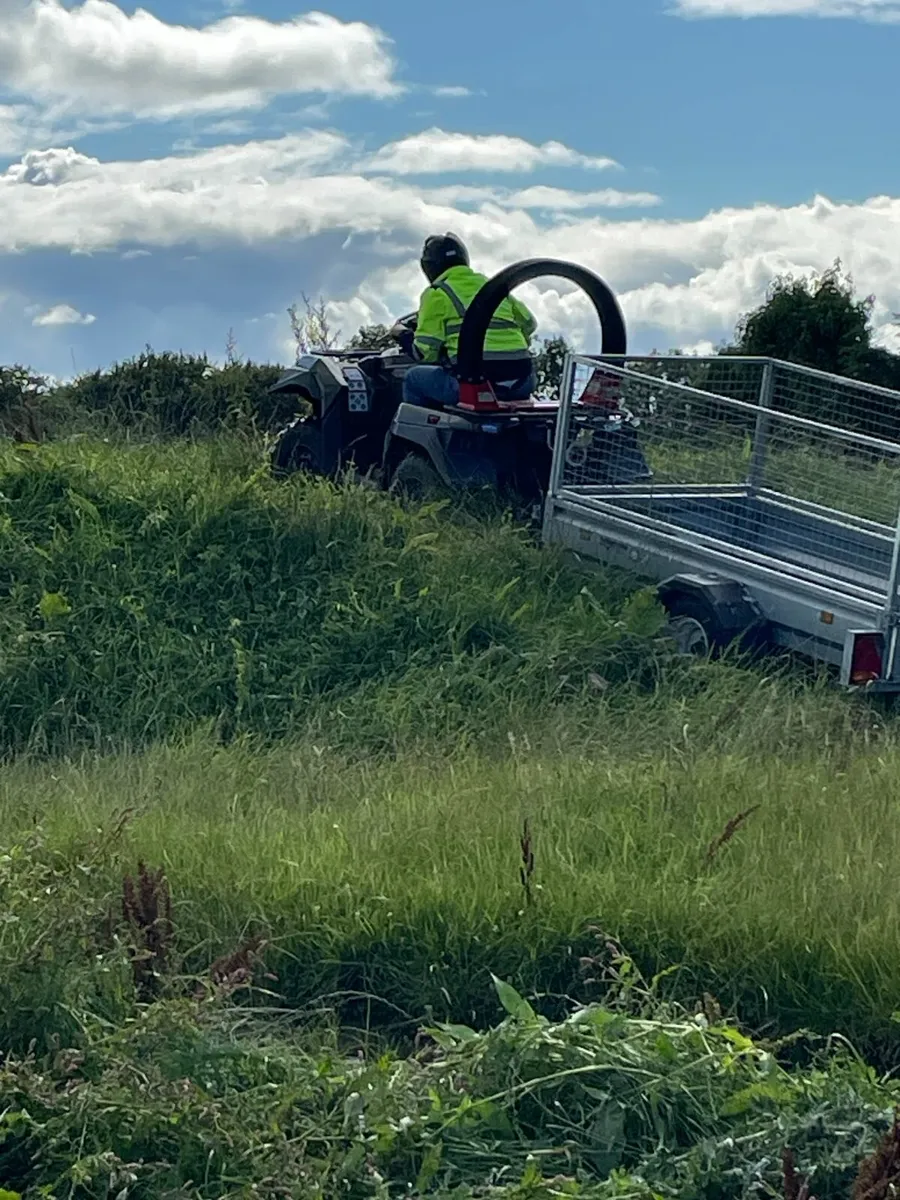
(443, 306)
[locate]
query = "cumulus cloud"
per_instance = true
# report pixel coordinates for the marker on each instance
(63, 314)
(560, 199)
(680, 281)
(435, 152)
(97, 58)
(866, 10)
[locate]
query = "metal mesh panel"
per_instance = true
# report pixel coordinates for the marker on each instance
(726, 468)
(736, 378)
(834, 400)
(800, 391)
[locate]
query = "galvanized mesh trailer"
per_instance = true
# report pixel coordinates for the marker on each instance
(770, 499)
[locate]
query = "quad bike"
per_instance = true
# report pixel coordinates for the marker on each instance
(357, 417)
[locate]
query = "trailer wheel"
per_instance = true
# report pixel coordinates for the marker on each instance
(692, 626)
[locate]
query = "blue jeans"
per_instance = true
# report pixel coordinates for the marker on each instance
(433, 387)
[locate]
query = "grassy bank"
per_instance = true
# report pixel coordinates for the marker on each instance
(149, 588)
(375, 700)
(372, 758)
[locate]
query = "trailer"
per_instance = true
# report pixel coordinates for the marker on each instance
(771, 513)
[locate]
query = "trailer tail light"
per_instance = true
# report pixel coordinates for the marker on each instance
(866, 663)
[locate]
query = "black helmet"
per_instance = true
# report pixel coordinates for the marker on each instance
(441, 252)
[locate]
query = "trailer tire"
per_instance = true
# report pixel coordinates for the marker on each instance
(708, 615)
(692, 626)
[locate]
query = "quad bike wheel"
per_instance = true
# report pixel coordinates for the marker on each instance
(292, 453)
(416, 479)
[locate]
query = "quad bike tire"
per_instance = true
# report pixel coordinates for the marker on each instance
(416, 479)
(293, 454)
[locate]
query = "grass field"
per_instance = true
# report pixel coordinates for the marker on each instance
(329, 721)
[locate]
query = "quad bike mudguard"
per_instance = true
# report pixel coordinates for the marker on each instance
(352, 398)
(449, 441)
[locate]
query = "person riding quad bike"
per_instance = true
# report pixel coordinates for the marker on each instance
(452, 286)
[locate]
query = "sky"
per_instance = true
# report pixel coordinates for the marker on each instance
(178, 175)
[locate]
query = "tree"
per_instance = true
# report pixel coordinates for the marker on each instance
(312, 329)
(549, 362)
(813, 320)
(371, 337)
(817, 321)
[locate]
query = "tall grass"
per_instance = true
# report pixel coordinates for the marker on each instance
(151, 588)
(374, 699)
(373, 757)
(398, 878)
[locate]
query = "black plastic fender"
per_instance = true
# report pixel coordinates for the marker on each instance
(724, 607)
(426, 432)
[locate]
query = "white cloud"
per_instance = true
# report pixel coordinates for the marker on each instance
(546, 199)
(679, 281)
(866, 10)
(250, 162)
(435, 151)
(453, 92)
(560, 199)
(63, 314)
(96, 58)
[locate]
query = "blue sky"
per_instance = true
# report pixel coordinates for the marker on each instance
(171, 174)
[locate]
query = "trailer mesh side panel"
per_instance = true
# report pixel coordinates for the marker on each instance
(742, 453)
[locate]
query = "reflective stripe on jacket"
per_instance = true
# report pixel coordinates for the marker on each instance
(442, 309)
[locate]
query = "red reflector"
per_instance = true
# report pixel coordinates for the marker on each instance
(866, 664)
(478, 397)
(602, 390)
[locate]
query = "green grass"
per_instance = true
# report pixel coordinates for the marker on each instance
(327, 718)
(398, 879)
(153, 587)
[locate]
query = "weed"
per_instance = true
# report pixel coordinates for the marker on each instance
(526, 870)
(147, 909)
(796, 1186)
(879, 1174)
(728, 833)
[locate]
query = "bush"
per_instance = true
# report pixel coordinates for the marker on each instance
(177, 394)
(24, 404)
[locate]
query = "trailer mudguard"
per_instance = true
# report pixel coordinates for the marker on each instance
(732, 612)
